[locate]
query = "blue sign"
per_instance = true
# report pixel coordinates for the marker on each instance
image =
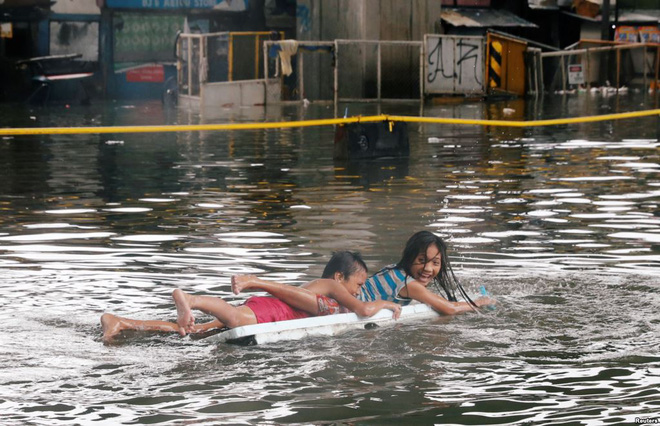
(219, 5)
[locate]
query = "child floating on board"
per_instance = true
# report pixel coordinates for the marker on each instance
(343, 288)
(336, 292)
(424, 261)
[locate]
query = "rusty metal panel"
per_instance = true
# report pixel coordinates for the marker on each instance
(505, 65)
(515, 67)
(453, 64)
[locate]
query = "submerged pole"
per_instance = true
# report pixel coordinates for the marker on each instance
(605, 20)
(605, 36)
(618, 70)
(563, 74)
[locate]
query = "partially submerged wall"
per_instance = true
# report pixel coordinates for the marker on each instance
(233, 94)
(328, 20)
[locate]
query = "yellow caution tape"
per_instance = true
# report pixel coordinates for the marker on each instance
(310, 123)
(533, 123)
(182, 128)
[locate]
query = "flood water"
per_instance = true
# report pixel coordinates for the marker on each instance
(561, 225)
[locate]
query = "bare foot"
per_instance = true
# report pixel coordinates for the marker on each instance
(241, 282)
(207, 326)
(185, 318)
(111, 325)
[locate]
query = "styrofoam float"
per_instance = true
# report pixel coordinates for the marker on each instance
(330, 325)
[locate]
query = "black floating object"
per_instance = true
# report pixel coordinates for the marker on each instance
(371, 140)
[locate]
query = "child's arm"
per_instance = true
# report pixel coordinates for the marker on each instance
(372, 307)
(420, 293)
(297, 297)
(363, 309)
(304, 298)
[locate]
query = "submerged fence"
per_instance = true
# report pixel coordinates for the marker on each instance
(603, 63)
(313, 70)
(218, 57)
(379, 70)
(352, 70)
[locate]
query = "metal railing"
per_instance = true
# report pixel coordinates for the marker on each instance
(214, 57)
(352, 71)
(624, 71)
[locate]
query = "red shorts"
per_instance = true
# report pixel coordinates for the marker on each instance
(270, 309)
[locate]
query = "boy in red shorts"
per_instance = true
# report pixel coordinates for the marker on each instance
(336, 292)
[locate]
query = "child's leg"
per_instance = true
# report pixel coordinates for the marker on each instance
(113, 325)
(229, 315)
(201, 328)
(297, 297)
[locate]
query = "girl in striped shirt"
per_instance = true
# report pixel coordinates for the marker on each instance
(424, 262)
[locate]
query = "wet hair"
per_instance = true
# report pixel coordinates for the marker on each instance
(445, 280)
(346, 262)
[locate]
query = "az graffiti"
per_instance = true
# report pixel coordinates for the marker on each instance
(436, 59)
(466, 53)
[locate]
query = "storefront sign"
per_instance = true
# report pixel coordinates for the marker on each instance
(220, 5)
(148, 74)
(575, 74)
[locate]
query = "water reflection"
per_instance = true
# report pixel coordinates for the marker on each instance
(560, 224)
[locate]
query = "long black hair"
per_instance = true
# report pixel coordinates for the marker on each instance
(346, 262)
(445, 280)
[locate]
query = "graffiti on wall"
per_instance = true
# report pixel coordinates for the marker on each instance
(454, 64)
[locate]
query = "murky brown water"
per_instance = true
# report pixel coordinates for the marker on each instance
(561, 225)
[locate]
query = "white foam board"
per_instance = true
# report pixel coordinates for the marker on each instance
(330, 325)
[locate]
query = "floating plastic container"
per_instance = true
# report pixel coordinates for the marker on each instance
(371, 140)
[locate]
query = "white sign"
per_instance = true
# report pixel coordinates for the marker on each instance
(5, 29)
(454, 64)
(575, 74)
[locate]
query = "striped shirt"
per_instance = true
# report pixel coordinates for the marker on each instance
(385, 285)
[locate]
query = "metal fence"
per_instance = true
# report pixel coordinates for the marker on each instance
(218, 57)
(313, 70)
(379, 70)
(351, 71)
(603, 64)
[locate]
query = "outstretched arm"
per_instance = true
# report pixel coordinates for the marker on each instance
(364, 309)
(304, 298)
(371, 308)
(297, 297)
(422, 294)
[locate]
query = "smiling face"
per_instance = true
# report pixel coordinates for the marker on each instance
(354, 282)
(426, 265)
